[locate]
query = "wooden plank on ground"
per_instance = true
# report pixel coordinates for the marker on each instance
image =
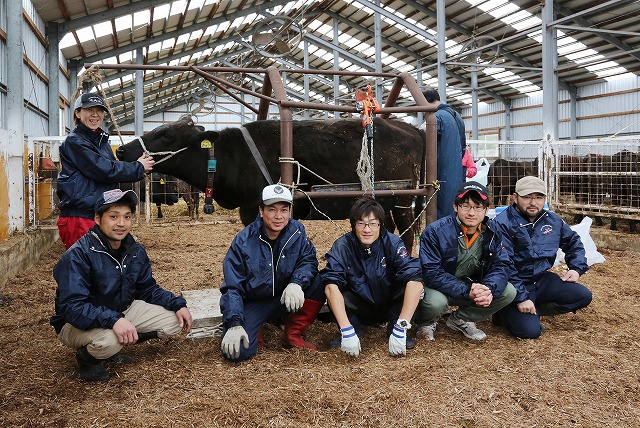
(204, 306)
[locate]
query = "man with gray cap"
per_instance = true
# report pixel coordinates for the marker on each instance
(107, 297)
(532, 236)
(270, 269)
(89, 168)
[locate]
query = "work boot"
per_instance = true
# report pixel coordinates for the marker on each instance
(551, 309)
(120, 358)
(296, 323)
(143, 337)
(260, 338)
(89, 367)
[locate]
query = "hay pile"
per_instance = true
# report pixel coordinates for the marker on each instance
(582, 372)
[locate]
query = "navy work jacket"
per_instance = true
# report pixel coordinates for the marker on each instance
(533, 246)
(375, 275)
(439, 259)
(94, 288)
(249, 271)
(90, 168)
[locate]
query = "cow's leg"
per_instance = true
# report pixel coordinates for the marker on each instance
(599, 221)
(248, 214)
(632, 226)
(403, 218)
(614, 223)
(159, 210)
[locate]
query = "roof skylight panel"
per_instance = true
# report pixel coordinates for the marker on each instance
(196, 4)
(124, 23)
(177, 7)
(141, 18)
(84, 34)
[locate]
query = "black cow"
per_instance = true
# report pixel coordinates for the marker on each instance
(191, 196)
(163, 190)
(503, 175)
(330, 148)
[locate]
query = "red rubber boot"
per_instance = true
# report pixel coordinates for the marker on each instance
(298, 321)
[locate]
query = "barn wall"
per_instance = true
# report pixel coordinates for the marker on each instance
(13, 149)
(603, 109)
(35, 82)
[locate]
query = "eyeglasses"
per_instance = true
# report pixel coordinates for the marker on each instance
(530, 198)
(371, 225)
(465, 207)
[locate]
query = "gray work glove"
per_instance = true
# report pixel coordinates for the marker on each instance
(398, 341)
(350, 343)
(231, 342)
(292, 297)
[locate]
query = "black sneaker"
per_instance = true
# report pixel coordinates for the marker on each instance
(120, 358)
(89, 367)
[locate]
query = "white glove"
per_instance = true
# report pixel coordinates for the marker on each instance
(398, 341)
(231, 342)
(292, 297)
(350, 343)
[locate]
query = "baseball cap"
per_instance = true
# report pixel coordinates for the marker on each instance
(530, 184)
(472, 186)
(276, 193)
(90, 99)
(110, 197)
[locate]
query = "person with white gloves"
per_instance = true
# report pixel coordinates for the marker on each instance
(371, 278)
(270, 271)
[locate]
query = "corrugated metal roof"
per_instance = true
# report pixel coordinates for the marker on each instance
(599, 42)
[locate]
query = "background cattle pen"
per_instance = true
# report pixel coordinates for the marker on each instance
(41, 183)
(594, 177)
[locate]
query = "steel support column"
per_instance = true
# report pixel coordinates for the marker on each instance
(474, 104)
(442, 55)
(549, 92)
(377, 30)
(139, 95)
(14, 119)
(53, 38)
(336, 65)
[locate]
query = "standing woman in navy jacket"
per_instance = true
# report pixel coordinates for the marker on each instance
(89, 168)
(371, 278)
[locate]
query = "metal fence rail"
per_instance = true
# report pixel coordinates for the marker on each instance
(595, 177)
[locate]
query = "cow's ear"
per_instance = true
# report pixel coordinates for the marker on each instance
(207, 138)
(211, 135)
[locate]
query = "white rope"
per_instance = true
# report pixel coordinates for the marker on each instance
(316, 208)
(363, 168)
(299, 165)
(437, 187)
(168, 154)
(373, 171)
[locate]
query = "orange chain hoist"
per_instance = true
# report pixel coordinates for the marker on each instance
(367, 106)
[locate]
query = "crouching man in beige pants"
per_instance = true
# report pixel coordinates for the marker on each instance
(107, 297)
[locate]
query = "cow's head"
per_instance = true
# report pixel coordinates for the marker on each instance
(180, 149)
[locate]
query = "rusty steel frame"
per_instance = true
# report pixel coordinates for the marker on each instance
(273, 83)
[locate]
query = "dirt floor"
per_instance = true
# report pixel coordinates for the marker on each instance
(582, 372)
